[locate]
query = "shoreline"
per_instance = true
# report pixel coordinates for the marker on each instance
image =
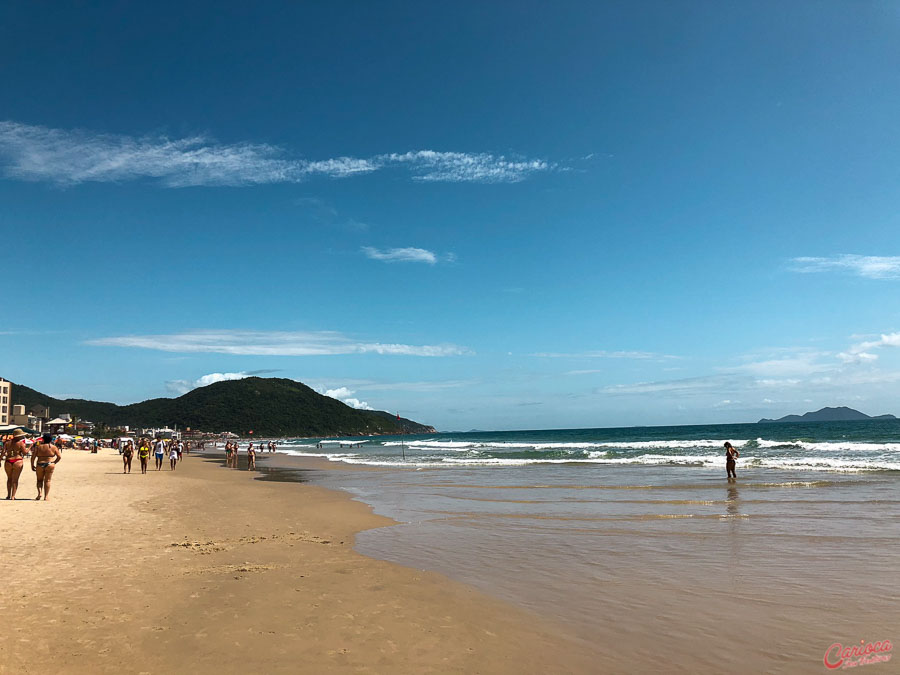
(194, 569)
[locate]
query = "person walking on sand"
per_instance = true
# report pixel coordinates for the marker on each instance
(251, 458)
(144, 454)
(127, 456)
(45, 456)
(14, 451)
(159, 449)
(731, 454)
(173, 454)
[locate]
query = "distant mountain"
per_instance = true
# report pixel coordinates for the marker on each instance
(274, 407)
(842, 414)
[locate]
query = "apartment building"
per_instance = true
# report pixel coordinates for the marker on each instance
(5, 401)
(23, 419)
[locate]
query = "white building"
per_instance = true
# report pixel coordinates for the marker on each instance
(5, 401)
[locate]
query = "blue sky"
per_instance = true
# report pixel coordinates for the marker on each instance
(492, 215)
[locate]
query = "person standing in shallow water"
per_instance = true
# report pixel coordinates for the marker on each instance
(731, 454)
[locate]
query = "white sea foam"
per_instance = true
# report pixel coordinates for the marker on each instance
(705, 461)
(333, 456)
(660, 445)
(442, 445)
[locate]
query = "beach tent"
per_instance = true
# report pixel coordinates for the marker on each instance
(9, 428)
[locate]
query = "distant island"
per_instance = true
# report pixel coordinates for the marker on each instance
(270, 407)
(841, 414)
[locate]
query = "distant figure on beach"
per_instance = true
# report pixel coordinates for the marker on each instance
(731, 454)
(144, 454)
(159, 449)
(14, 451)
(44, 458)
(173, 455)
(127, 456)
(251, 458)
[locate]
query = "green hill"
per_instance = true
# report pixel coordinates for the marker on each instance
(268, 406)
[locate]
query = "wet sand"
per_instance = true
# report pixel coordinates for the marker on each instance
(207, 570)
(669, 569)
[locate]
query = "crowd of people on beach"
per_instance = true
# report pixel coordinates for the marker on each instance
(232, 453)
(159, 447)
(45, 452)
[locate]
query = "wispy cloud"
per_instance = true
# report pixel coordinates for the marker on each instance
(682, 387)
(802, 364)
(455, 167)
(602, 354)
(38, 153)
(180, 387)
(418, 255)
(274, 343)
(868, 266)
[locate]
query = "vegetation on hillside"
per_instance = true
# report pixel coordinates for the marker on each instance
(268, 406)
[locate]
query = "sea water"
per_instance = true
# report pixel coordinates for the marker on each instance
(634, 539)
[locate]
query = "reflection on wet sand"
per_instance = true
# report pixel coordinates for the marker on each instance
(731, 502)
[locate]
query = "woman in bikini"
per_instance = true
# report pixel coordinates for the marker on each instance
(14, 451)
(44, 458)
(127, 456)
(144, 454)
(251, 458)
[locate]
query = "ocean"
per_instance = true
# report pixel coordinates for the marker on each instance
(635, 542)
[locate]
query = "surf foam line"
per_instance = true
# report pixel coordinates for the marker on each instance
(700, 461)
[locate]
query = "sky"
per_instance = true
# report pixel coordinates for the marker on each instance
(506, 215)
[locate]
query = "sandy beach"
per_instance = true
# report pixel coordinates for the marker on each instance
(206, 570)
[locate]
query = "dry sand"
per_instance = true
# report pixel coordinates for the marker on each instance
(206, 570)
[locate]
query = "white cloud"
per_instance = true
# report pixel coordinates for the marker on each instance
(38, 153)
(725, 403)
(862, 351)
(869, 266)
(345, 395)
(275, 343)
(421, 387)
(180, 387)
(401, 255)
